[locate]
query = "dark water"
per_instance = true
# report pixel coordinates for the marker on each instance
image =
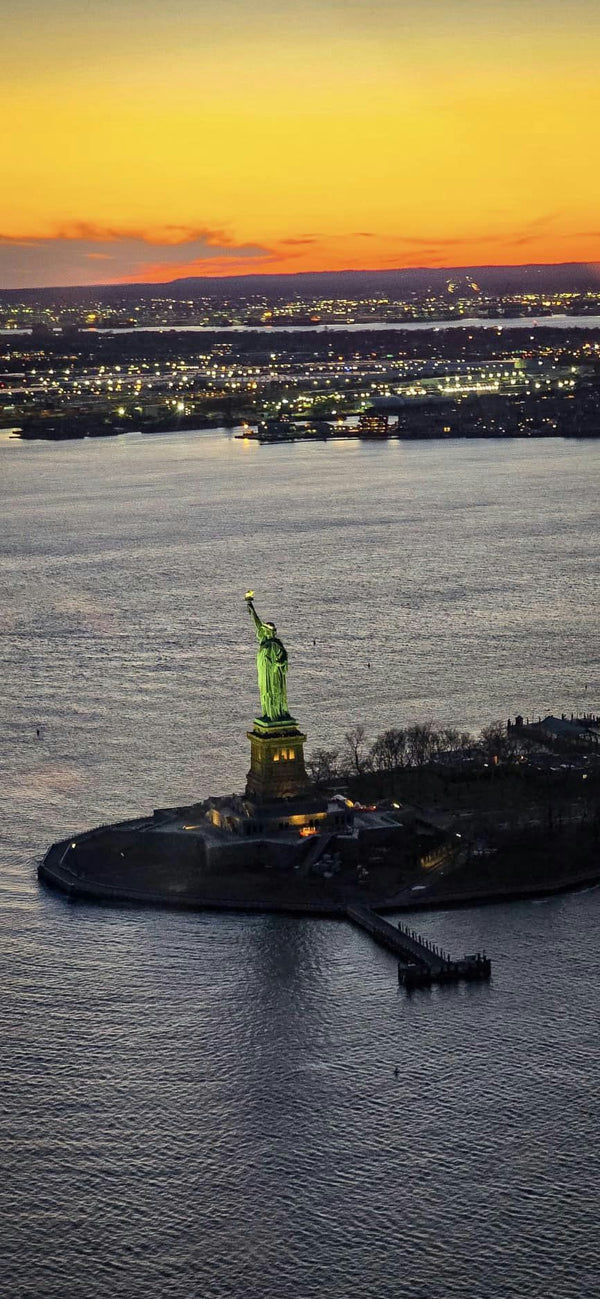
(206, 1105)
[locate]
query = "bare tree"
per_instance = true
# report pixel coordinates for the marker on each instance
(447, 738)
(498, 743)
(322, 766)
(389, 750)
(421, 743)
(355, 756)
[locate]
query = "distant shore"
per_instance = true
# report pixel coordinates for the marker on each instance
(538, 321)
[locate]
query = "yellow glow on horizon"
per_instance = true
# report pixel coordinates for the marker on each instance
(390, 146)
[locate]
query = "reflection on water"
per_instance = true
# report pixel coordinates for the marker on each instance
(207, 1104)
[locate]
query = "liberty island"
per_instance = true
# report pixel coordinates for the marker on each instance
(288, 844)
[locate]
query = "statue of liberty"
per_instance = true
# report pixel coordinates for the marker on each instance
(271, 663)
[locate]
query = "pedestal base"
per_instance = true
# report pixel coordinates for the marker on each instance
(277, 768)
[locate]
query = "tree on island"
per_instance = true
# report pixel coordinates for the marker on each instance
(394, 750)
(498, 743)
(355, 756)
(389, 751)
(322, 766)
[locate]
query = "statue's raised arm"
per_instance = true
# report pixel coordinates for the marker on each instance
(271, 663)
(261, 628)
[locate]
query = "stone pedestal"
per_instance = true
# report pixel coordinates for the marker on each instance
(276, 762)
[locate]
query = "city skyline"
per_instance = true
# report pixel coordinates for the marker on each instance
(146, 144)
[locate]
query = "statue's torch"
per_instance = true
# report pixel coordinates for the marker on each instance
(249, 596)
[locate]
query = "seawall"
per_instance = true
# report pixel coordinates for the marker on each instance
(101, 878)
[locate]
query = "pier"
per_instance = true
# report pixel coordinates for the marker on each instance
(421, 963)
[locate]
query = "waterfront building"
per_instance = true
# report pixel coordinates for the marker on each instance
(373, 424)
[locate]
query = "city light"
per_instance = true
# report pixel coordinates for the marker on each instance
(56, 379)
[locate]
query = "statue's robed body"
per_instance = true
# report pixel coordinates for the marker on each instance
(272, 664)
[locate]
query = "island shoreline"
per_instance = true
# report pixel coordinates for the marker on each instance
(57, 878)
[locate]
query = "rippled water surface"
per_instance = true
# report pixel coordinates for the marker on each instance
(207, 1105)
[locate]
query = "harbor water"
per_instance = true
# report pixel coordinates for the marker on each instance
(208, 1105)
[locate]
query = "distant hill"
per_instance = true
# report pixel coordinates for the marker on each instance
(494, 279)
(565, 276)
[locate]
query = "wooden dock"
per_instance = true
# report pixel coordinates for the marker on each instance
(421, 962)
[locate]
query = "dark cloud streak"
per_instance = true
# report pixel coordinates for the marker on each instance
(125, 254)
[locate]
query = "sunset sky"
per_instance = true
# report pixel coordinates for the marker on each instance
(142, 141)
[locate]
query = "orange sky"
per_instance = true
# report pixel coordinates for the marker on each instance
(140, 142)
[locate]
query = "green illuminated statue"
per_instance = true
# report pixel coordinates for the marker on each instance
(272, 663)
